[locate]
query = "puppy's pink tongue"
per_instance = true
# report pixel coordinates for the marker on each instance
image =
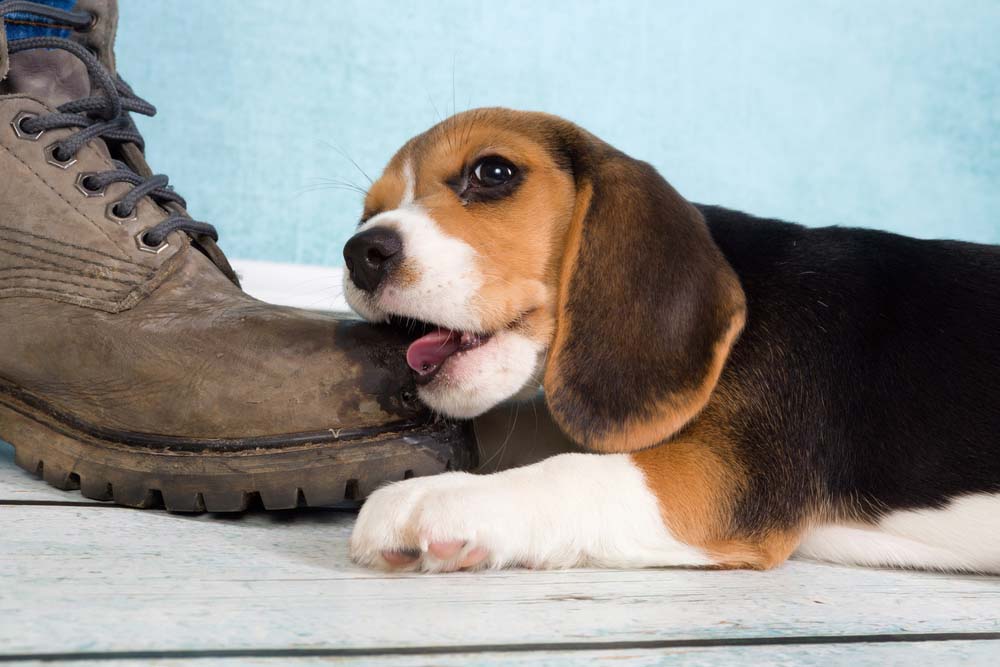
(428, 352)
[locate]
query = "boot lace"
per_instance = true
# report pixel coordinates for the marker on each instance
(103, 116)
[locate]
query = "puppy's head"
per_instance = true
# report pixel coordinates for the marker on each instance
(529, 252)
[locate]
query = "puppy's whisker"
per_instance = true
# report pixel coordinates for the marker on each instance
(344, 154)
(454, 109)
(331, 186)
(315, 188)
(469, 125)
(498, 454)
(441, 120)
(338, 181)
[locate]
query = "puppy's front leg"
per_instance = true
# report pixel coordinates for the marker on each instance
(569, 510)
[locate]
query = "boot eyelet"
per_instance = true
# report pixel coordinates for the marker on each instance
(140, 241)
(81, 185)
(112, 214)
(50, 157)
(94, 20)
(20, 132)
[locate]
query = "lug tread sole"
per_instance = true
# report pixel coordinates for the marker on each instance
(319, 475)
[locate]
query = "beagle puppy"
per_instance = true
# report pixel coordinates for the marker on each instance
(748, 388)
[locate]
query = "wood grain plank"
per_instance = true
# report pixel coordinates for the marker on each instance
(90, 579)
(969, 653)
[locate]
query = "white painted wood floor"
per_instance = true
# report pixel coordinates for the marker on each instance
(89, 583)
(86, 583)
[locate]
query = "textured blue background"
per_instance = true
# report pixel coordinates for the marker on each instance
(883, 114)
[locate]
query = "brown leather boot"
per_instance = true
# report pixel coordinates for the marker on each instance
(131, 363)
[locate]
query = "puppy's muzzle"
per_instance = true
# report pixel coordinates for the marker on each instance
(372, 255)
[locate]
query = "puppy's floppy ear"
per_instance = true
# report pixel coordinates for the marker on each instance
(648, 307)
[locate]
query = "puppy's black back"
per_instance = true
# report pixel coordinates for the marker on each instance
(869, 368)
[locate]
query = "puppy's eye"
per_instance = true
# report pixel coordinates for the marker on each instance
(492, 172)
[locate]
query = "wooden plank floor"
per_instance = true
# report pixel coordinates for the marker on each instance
(88, 583)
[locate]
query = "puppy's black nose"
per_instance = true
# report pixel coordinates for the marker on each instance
(371, 255)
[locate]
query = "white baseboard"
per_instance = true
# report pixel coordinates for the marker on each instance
(299, 285)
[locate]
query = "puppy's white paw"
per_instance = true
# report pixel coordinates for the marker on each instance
(434, 524)
(570, 510)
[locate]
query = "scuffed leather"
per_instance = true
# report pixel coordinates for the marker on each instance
(199, 358)
(51, 76)
(163, 344)
(101, 37)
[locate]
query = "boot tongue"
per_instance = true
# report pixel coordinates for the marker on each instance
(48, 75)
(53, 76)
(428, 352)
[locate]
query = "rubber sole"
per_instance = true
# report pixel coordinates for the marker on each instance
(300, 475)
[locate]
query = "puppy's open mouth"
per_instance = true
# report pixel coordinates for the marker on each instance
(433, 345)
(427, 354)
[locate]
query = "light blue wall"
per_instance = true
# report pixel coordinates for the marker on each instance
(883, 114)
